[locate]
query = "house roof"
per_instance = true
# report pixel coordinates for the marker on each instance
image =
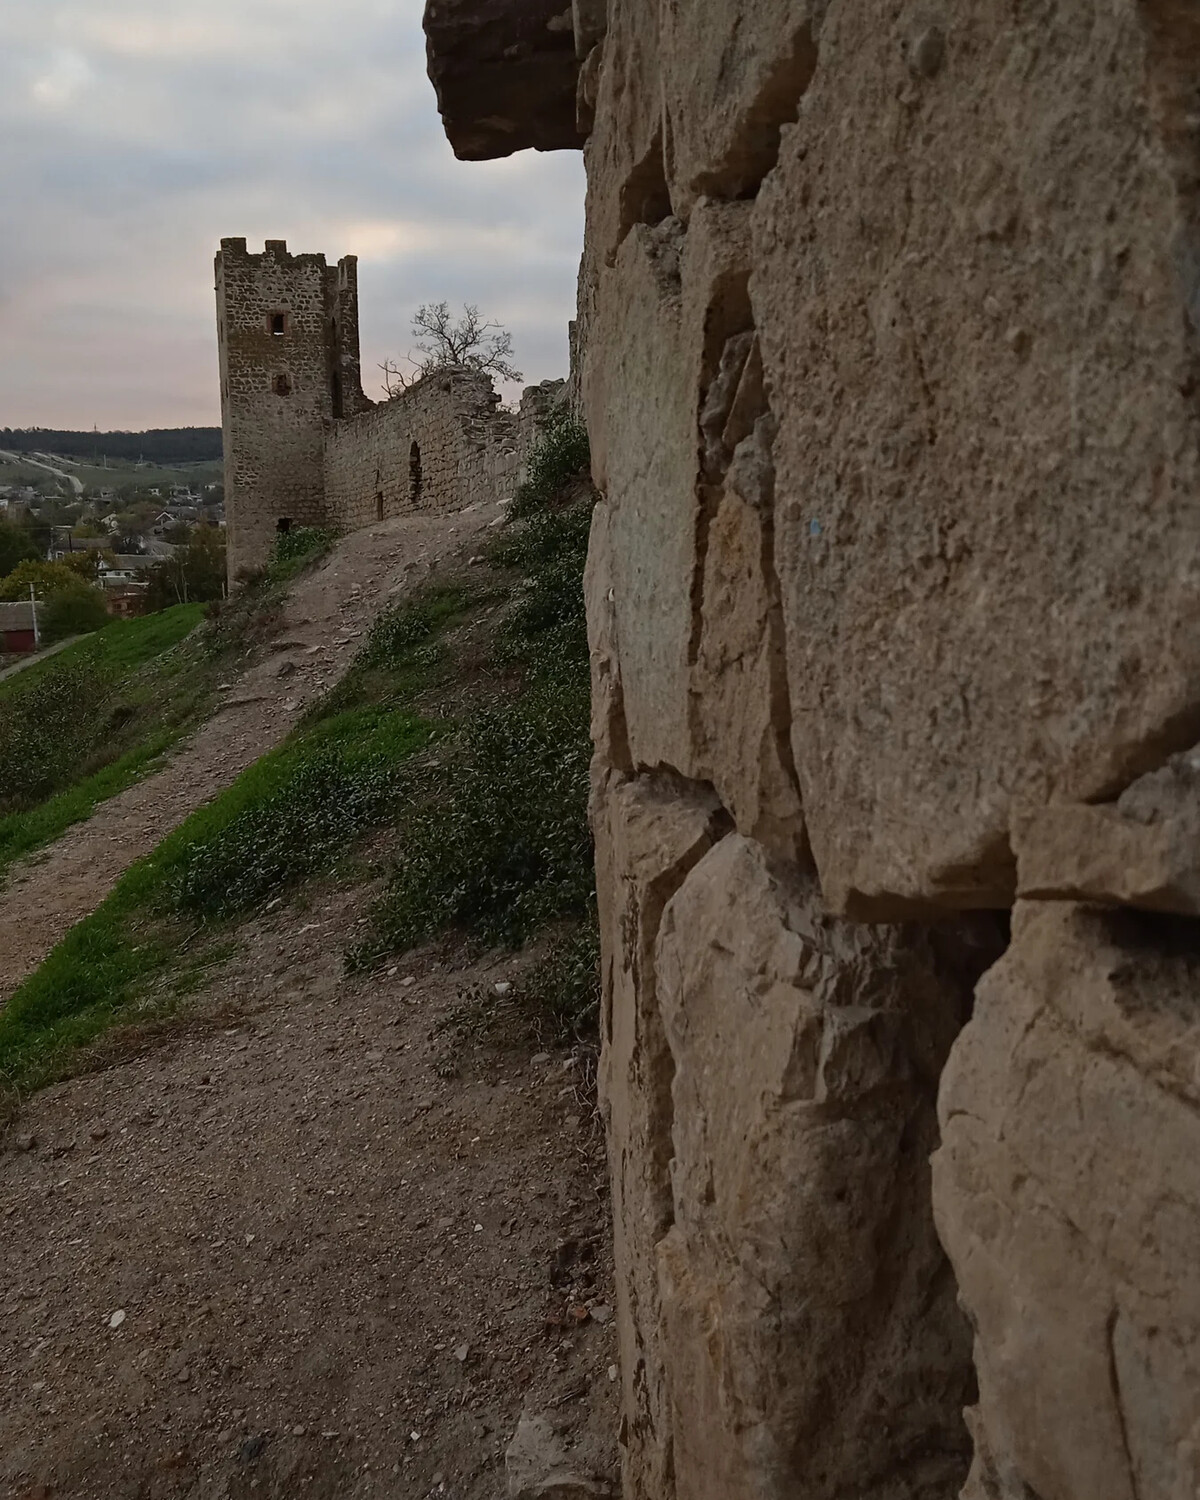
(16, 615)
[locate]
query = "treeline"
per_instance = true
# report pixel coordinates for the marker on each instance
(164, 446)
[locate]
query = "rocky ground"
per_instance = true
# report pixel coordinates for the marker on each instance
(311, 1241)
(324, 619)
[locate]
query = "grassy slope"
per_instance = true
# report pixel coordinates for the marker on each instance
(87, 723)
(463, 723)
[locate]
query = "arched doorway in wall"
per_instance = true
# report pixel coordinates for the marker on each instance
(415, 478)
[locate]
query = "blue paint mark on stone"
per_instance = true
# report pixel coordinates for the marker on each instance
(814, 528)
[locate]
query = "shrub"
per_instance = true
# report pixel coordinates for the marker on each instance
(74, 611)
(47, 578)
(495, 843)
(298, 549)
(293, 811)
(559, 454)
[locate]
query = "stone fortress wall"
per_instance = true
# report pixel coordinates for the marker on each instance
(303, 444)
(888, 322)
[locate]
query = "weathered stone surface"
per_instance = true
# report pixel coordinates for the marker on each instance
(1142, 850)
(811, 1338)
(643, 451)
(505, 73)
(975, 293)
(731, 76)
(739, 688)
(649, 833)
(681, 445)
(610, 735)
(538, 1467)
(626, 172)
(1067, 1191)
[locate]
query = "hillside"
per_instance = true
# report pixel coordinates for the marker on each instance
(325, 1057)
(166, 447)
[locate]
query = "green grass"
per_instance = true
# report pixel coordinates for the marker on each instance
(496, 845)
(287, 817)
(124, 645)
(491, 678)
(22, 833)
(84, 724)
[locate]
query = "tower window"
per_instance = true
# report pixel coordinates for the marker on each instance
(415, 478)
(278, 324)
(283, 384)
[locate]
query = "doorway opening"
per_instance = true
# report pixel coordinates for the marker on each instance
(415, 480)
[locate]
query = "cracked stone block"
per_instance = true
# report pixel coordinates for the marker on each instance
(976, 295)
(1142, 850)
(732, 75)
(626, 173)
(1067, 1192)
(811, 1337)
(649, 833)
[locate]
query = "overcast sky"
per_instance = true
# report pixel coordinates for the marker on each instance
(134, 134)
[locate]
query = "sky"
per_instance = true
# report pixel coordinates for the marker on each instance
(135, 134)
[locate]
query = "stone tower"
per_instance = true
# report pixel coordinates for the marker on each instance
(287, 330)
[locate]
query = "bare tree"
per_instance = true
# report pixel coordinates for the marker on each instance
(443, 340)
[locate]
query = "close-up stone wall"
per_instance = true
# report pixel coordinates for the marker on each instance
(887, 332)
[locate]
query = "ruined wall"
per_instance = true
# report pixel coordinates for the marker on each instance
(303, 442)
(888, 320)
(430, 449)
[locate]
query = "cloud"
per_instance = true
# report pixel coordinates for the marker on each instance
(143, 132)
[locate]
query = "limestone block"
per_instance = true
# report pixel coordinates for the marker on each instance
(666, 312)
(975, 284)
(649, 833)
(1067, 1192)
(1142, 850)
(626, 175)
(641, 415)
(731, 76)
(609, 733)
(813, 1343)
(505, 73)
(589, 19)
(738, 683)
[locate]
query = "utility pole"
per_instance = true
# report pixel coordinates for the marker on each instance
(37, 637)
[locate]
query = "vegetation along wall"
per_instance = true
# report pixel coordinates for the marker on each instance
(888, 325)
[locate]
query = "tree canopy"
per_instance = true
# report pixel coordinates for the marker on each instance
(442, 341)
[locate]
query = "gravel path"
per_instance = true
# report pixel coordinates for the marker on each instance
(325, 617)
(278, 1253)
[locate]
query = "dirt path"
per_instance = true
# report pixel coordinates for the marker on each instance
(280, 1253)
(326, 614)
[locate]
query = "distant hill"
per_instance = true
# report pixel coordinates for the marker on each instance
(160, 445)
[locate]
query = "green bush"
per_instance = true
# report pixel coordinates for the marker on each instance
(559, 454)
(298, 549)
(496, 844)
(74, 611)
(560, 995)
